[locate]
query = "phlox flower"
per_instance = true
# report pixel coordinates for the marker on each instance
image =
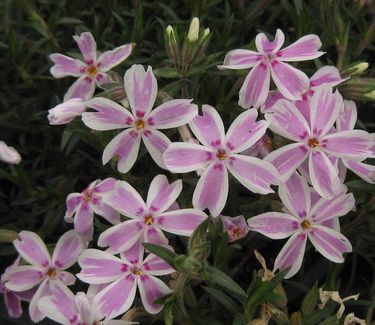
(346, 122)
(9, 154)
(43, 268)
(148, 219)
(65, 308)
(141, 123)
(220, 153)
(124, 275)
(235, 227)
(80, 207)
(305, 220)
(12, 299)
(270, 61)
(66, 112)
(91, 72)
(316, 141)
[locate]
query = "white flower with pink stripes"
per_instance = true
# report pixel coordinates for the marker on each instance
(43, 268)
(141, 123)
(124, 275)
(270, 61)
(93, 71)
(219, 153)
(304, 219)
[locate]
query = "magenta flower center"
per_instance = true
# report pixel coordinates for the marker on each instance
(51, 273)
(148, 220)
(139, 124)
(136, 271)
(92, 70)
(313, 143)
(221, 154)
(305, 224)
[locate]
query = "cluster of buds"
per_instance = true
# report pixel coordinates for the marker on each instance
(193, 46)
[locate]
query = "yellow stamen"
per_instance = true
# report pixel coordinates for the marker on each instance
(86, 196)
(221, 154)
(136, 271)
(139, 124)
(313, 142)
(51, 273)
(306, 224)
(238, 232)
(148, 220)
(92, 70)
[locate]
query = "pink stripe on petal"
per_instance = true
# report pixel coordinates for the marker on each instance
(327, 75)
(263, 45)
(240, 59)
(126, 200)
(347, 117)
(181, 157)
(255, 174)
(106, 185)
(154, 265)
(211, 191)
(291, 82)
(66, 277)
(255, 88)
(325, 109)
(154, 235)
(161, 194)
(109, 59)
(32, 249)
(288, 158)
(35, 314)
(325, 209)
(209, 127)
(126, 146)
(151, 289)
(85, 308)
(306, 48)
(272, 98)
(117, 298)
(141, 88)
(353, 144)
(291, 255)
(134, 254)
(295, 195)
(68, 248)
(180, 222)
(106, 211)
(13, 304)
(329, 243)
(122, 236)
(103, 78)
(24, 277)
(274, 225)
(333, 223)
(108, 115)
(172, 114)
(287, 121)
(83, 87)
(245, 131)
(156, 144)
(87, 45)
(83, 220)
(303, 106)
(66, 66)
(323, 174)
(73, 202)
(100, 267)
(365, 171)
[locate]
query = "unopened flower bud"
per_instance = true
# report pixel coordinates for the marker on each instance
(169, 30)
(66, 112)
(370, 95)
(206, 32)
(355, 69)
(194, 30)
(9, 154)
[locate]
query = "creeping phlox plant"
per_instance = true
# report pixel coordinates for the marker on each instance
(308, 173)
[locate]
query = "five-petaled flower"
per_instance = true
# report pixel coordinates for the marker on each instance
(43, 268)
(65, 308)
(91, 72)
(305, 219)
(269, 61)
(317, 141)
(235, 227)
(124, 274)
(220, 152)
(141, 88)
(148, 220)
(80, 207)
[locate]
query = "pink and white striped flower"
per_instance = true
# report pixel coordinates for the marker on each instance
(346, 122)
(80, 207)
(235, 227)
(93, 71)
(305, 220)
(316, 141)
(124, 274)
(66, 112)
(220, 153)
(65, 308)
(43, 268)
(143, 123)
(148, 219)
(12, 299)
(270, 61)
